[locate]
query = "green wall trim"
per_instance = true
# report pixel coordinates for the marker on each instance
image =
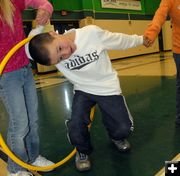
(114, 16)
(29, 15)
(70, 16)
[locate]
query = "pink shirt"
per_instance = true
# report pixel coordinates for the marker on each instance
(8, 38)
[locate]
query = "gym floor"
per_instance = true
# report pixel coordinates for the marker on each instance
(148, 84)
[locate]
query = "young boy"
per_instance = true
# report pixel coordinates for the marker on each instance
(81, 55)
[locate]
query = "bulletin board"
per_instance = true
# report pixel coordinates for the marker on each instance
(122, 4)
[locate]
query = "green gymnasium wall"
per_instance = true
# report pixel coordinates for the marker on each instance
(151, 6)
(71, 5)
(148, 6)
(79, 9)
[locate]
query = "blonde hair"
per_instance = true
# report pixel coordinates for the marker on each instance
(7, 12)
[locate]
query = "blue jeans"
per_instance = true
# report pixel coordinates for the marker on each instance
(18, 93)
(115, 116)
(177, 62)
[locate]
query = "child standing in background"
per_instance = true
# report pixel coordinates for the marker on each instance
(171, 8)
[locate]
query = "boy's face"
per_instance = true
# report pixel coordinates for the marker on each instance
(60, 48)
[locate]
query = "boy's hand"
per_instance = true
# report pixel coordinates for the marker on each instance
(147, 42)
(42, 17)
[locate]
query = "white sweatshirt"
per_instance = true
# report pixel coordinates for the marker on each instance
(89, 68)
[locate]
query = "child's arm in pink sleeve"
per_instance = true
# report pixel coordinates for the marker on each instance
(39, 4)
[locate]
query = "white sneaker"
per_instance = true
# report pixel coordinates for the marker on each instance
(21, 173)
(42, 162)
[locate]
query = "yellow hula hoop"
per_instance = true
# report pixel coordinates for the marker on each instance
(3, 145)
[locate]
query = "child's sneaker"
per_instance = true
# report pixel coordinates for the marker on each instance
(42, 162)
(82, 162)
(122, 145)
(20, 173)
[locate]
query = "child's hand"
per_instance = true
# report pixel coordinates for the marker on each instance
(42, 17)
(147, 42)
